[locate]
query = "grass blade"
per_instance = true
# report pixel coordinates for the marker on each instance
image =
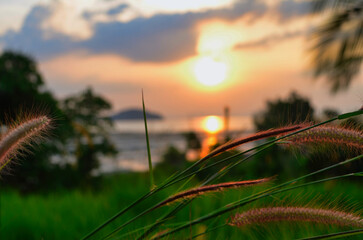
(336, 235)
(259, 148)
(233, 206)
(265, 146)
(350, 114)
(148, 145)
(265, 193)
(179, 177)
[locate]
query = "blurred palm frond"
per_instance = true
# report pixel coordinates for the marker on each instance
(338, 43)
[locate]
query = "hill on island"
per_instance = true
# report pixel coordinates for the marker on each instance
(136, 114)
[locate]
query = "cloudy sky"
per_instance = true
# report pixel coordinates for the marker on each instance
(191, 57)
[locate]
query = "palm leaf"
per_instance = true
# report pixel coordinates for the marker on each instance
(338, 43)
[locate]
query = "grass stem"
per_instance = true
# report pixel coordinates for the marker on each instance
(273, 190)
(178, 177)
(336, 235)
(152, 186)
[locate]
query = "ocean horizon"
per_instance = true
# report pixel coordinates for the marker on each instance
(129, 139)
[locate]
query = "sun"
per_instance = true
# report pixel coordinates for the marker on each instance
(210, 72)
(212, 124)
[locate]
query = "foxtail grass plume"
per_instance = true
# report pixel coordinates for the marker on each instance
(333, 135)
(296, 214)
(257, 136)
(211, 188)
(19, 135)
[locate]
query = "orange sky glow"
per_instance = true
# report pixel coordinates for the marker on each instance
(239, 61)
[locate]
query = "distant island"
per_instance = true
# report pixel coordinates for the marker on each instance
(136, 114)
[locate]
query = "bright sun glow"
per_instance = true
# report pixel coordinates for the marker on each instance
(216, 37)
(210, 72)
(212, 124)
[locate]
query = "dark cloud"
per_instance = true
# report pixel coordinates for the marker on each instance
(285, 11)
(270, 40)
(237, 10)
(163, 37)
(160, 38)
(166, 37)
(88, 15)
(34, 40)
(289, 9)
(117, 10)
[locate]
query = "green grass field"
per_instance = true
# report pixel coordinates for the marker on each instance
(73, 214)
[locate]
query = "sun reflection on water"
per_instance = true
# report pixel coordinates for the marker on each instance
(212, 125)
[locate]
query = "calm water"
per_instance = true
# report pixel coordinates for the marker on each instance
(129, 138)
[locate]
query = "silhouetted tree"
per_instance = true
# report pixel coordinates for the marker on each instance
(22, 87)
(281, 112)
(91, 129)
(78, 122)
(294, 109)
(172, 160)
(193, 141)
(338, 43)
(23, 92)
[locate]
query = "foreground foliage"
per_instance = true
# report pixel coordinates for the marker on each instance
(290, 134)
(69, 214)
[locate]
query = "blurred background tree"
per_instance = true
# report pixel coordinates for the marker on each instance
(91, 127)
(288, 162)
(23, 92)
(338, 43)
(281, 112)
(295, 109)
(193, 141)
(22, 87)
(172, 160)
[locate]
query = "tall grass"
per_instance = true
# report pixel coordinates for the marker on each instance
(14, 141)
(60, 215)
(301, 134)
(148, 144)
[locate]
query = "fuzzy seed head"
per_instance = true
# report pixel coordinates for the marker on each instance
(254, 137)
(20, 135)
(296, 214)
(332, 135)
(211, 188)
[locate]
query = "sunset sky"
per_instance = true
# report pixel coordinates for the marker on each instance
(191, 57)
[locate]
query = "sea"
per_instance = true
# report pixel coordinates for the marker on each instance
(129, 138)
